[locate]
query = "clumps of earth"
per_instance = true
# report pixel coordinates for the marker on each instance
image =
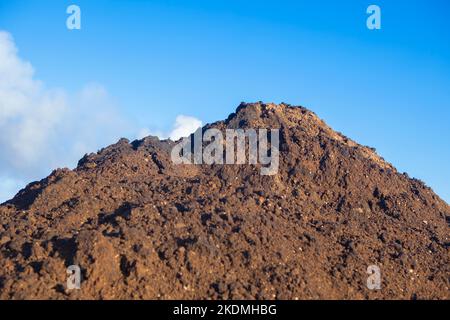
(140, 227)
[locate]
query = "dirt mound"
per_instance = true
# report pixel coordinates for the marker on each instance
(141, 227)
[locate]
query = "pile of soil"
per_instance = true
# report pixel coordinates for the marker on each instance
(141, 227)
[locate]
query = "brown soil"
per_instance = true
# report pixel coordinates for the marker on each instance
(141, 227)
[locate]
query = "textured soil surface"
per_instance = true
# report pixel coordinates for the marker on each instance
(141, 227)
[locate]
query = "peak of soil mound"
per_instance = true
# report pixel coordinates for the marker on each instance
(141, 227)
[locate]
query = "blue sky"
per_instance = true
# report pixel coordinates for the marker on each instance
(156, 60)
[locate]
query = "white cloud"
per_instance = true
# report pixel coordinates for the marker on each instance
(143, 133)
(28, 112)
(43, 128)
(184, 126)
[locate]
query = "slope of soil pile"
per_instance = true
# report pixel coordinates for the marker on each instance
(141, 227)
